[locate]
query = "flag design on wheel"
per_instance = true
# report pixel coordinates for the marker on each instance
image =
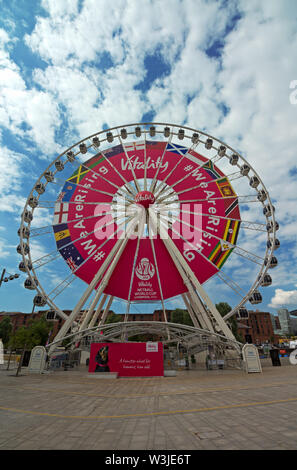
(219, 254)
(225, 188)
(79, 174)
(231, 208)
(177, 149)
(133, 146)
(231, 231)
(72, 256)
(67, 192)
(118, 149)
(61, 213)
(71, 263)
(62, 235)
(211, 170)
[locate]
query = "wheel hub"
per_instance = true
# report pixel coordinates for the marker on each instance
(144, 198)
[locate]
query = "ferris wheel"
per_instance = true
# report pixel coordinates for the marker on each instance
(144, 213)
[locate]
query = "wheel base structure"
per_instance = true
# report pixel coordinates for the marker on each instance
(193, 340)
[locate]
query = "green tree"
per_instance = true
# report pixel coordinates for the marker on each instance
(113, 318)
(181, 316)
(5, 330)
(224, 308)
(36, 333)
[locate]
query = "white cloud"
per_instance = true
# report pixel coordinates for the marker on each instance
(3, 249)
(37, 250)
(282, 298)
(21, 106)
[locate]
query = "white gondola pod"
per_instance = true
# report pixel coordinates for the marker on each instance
(39, 188)
(24, 231)
(254, 181)
(109, 137)
(152, 131)
(124, 133)
(255, 298)
(96, 142)
(269, 226)
(83, 148)
(25, 247)
(166, 131)
(28, 216)
(261, 196)
(208, 143)
(273, 262)
(244, 170)
(242, 313)
(30, 283)
(33, 202)
(49, 176)
(265, 280)
(59, 165)
(25, 266)
(181, 134)
(233, 159)
(222, 151)
(267, 210)
(39, 300)
(195, 138)
(274, 245)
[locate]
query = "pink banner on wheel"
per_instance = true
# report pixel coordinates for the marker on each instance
(127, 359)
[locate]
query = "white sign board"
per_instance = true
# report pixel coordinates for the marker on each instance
(151, 347)
(251, 358)
(37, 360)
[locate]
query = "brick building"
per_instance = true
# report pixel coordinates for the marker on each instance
(157, 315)
(257, 328)
(20, 319)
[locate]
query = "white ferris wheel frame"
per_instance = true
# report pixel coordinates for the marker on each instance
(199, 305)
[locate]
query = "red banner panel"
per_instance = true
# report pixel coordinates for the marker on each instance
(127, 359)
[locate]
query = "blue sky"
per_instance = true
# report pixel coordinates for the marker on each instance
(70, 68)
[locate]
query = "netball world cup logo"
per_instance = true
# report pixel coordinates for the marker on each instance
(145, 270)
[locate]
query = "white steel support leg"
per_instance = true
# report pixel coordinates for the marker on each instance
(106, 311)
(203, 314)
(111, 260)
(159, 282)
(193, 298)
(98, 311)
(198, 308)
(191, 276)
(191, 312)
(90, 312)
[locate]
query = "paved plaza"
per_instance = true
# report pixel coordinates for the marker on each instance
(196, 410)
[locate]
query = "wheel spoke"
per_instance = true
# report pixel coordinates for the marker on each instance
(236, 249)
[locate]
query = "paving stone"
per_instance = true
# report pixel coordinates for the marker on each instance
(194, 410)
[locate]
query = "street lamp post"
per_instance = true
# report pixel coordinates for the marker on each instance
(2, 276)
(9, 278)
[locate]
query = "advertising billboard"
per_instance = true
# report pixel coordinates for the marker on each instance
(127, 359)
